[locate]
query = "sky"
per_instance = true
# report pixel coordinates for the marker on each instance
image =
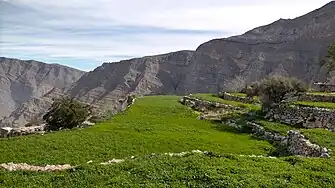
(85, 33)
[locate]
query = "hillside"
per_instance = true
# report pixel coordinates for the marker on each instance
(286, 47)
(24, 81)
(147, 142)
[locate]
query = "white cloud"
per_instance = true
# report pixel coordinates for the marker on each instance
(100, 29)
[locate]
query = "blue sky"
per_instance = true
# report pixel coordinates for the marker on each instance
(85, 33)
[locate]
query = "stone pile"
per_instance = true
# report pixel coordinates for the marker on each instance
(113, 161)
(24, 166)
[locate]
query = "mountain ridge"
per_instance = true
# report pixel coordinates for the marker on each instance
(293, 47)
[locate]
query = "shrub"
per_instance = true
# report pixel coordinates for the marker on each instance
(275, 89)
(66, 113)
(329, 61)
(331, 52)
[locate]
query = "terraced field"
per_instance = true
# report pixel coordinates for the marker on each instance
(160, 124)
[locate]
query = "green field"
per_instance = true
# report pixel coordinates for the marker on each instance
(191, 171)
(321, 93)
(239, 94)
(154, 124)
(329, 105)
(159, 124)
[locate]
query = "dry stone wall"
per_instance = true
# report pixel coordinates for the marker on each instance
(205, 106)
(230, 97)
(295, 143)
(317, 98)
(306, 117)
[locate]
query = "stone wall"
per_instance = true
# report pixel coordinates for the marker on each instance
(204, 106)
(306, 117)
(295, 143)
(230, 97)
(317, 98)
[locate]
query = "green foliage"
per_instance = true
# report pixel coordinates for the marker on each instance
(274, 89)
(330, 60)
(331, 52)
(66, 113)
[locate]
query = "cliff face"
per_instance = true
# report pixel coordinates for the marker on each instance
(286, 47)
(24, 81)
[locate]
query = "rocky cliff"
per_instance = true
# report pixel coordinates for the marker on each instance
(24, 83)
(292, 47)
(286, 47)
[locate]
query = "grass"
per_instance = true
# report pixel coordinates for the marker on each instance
(159, 124)
(239, 94)
(322, 137)
(210, 97)
(329, 105)
(190, 171)
(279, 128)
(321, 93)
(154, 124)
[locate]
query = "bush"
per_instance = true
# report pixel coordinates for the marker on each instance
(66, 113)
(329, 61)
(275, 89)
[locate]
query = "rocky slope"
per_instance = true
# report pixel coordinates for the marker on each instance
(292, 47)
(286, 47)
(23, 83)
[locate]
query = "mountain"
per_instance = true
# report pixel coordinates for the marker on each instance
(23, 82)
(293, 47)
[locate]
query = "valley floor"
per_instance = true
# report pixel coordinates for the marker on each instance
(160, 124)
